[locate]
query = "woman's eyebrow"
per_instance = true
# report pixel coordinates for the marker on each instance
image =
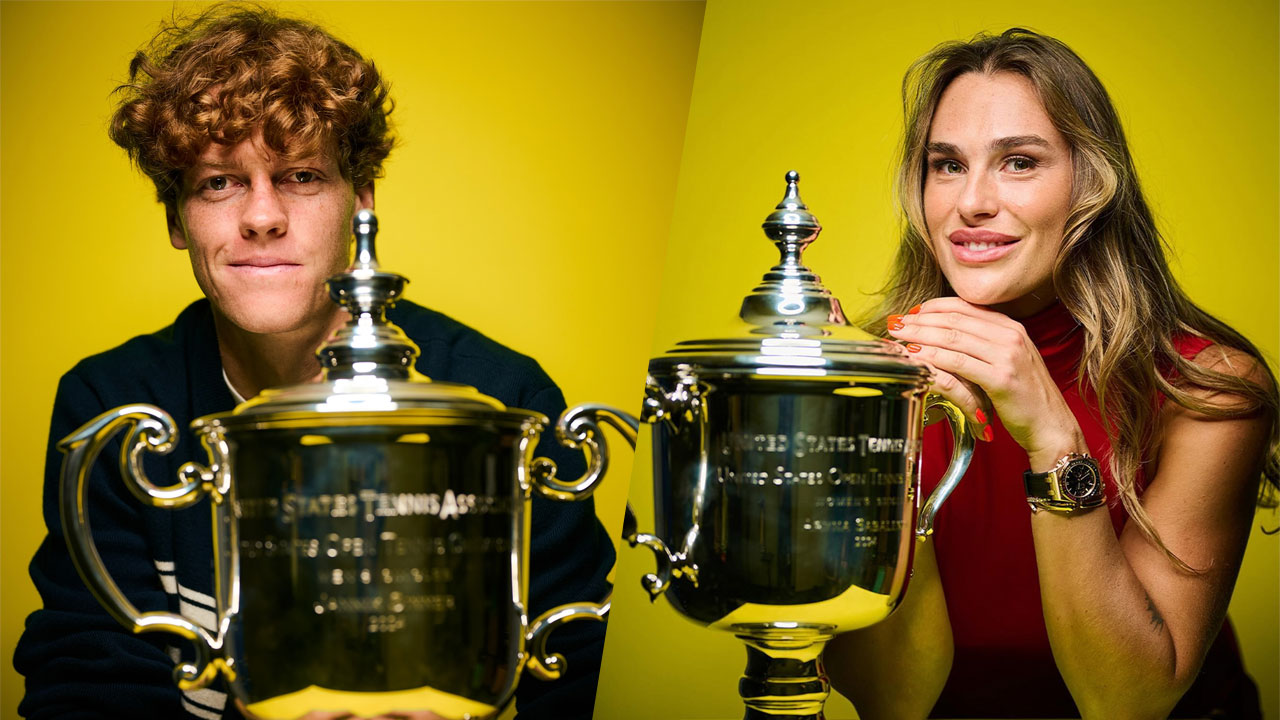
(997, 145)
(1008, 143)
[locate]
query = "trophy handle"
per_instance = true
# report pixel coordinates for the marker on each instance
(961, 454)
(550, 666)
(580, 426)
(683, 405)
(150, 429)
(670, 564)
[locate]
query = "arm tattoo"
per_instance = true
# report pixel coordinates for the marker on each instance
(1157, 621)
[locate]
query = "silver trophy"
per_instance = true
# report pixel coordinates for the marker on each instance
(371, 530)
(786, 474)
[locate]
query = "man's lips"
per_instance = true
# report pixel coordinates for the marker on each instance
(264, 265)
(976, 245)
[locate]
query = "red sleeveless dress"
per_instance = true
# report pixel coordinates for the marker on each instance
(1003, 664)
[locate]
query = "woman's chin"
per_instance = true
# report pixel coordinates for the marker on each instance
(1014, 303)
(986, 297)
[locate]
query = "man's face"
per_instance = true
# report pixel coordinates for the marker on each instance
(265, 232)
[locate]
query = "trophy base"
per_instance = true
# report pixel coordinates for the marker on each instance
(784, 679)
(371, 704)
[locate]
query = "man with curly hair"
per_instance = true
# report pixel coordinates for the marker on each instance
(263, 136)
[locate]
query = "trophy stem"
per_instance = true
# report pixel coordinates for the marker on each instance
(784, 679)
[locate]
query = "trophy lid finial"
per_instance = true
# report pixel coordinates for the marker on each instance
(368, 344)
(791, 215)
(791, 299)
(368, 362)
(365, 228)
(795, 328)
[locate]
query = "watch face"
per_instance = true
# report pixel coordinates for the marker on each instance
(1081, 481)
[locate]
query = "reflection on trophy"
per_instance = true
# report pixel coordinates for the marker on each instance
(785, 476)
(371, 531)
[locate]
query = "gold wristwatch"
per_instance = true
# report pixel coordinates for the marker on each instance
(1074, 483)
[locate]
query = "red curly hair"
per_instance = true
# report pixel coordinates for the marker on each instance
(237, 69)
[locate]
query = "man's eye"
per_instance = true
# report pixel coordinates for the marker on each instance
(304, 176)
(216, 183)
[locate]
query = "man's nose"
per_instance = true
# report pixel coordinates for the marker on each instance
(264, 215)
(980, 197)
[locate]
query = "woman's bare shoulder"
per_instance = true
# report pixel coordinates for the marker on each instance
(1241, 379)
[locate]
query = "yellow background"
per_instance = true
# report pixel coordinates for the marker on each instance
(530, 198)
(814, 86)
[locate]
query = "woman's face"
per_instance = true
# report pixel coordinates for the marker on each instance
(997, 191)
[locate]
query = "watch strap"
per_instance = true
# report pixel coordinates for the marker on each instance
(1038, 486)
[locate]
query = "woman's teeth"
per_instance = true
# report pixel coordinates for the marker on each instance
(982, 246)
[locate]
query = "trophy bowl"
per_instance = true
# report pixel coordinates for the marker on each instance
(785, 476)
(371, 531)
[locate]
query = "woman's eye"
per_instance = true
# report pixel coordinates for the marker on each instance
(1021, 164)
(948, 167)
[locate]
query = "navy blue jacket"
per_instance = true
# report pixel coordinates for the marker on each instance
(79, 663)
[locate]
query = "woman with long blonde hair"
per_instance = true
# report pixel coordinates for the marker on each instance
(1085, 563)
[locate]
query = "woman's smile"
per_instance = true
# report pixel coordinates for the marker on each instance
(976, 246)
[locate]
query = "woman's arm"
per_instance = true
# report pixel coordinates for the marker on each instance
(1128, 628)
(897, 668)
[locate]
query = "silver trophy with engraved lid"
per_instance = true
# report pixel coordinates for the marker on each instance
(371, 530)
(785, 475)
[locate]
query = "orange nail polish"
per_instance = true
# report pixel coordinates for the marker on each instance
(896, 326)
(912, 347)
(988, 433)
(982, 417)
(894, 320)
(914, 311)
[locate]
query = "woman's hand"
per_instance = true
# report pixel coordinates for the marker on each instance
(984, 360)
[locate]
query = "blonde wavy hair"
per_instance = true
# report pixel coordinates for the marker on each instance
(1111, 273)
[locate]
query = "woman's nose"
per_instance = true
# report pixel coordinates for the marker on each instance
(979, 198)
